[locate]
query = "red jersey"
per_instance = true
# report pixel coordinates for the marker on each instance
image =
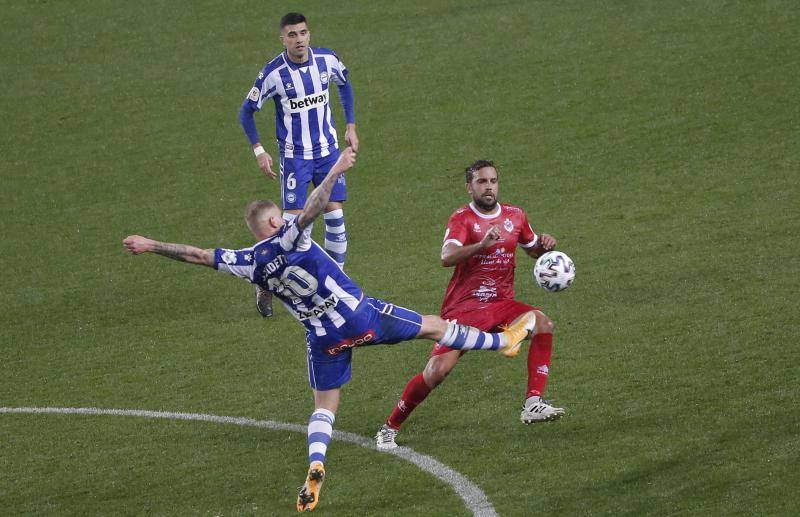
(488, 275)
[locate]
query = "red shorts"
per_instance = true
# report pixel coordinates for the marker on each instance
(488, 318)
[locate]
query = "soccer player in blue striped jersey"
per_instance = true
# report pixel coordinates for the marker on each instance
(298, 82)
(336, 314)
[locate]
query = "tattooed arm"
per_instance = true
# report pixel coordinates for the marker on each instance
(137, 244)
(320, 196)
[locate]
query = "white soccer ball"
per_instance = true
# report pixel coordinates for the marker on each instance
(554, 271)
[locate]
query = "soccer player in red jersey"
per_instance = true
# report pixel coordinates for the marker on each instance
(481, 241)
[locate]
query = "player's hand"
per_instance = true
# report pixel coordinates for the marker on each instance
(548, 241)
(137, 244)
(350, 137)
(492, 235)
(265, 164)
(346, 160)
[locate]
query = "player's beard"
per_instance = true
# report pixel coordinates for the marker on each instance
(486, 203)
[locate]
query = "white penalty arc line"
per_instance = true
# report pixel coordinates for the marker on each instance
(474, 498)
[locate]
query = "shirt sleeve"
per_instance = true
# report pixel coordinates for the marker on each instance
(262, 90)
(340, 73)
(293, 238)
(456, 232)
(239, 263)
(346, 98)
(527, 237)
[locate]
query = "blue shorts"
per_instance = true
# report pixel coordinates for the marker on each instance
(375, 322)
(297, 173)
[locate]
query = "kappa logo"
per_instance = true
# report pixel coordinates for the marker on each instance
(229, 257)
(308, 102)
(476, 228)
(508, 225)
(288, 86)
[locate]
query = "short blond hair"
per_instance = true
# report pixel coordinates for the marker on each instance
(255, 210)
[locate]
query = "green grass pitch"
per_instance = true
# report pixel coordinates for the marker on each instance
(658, 141)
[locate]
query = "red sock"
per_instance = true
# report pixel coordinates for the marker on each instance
(539, 363)
(415, 392)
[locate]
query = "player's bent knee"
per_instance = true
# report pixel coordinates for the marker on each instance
(436, 371)
(544, 325)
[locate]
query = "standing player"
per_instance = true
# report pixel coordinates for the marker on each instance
(335, 312)
(481, 241)
(298, 81)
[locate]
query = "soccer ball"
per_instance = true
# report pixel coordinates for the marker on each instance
(554, 271)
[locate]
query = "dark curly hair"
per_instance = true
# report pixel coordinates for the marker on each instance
(469, 172)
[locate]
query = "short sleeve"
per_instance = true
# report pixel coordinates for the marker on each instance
(457, 231)
(292, 238)
(340, 72)
(527, 237)
(262, 90)
(239, 263)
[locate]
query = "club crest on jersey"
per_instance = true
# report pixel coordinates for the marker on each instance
(508, 225)
(323, 77)
(254, 93)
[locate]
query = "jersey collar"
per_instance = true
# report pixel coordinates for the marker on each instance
(480, 214)
(294, 66)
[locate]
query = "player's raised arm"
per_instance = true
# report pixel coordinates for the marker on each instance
(137, 245)
(320, 196)
(452, 253)
(546, 242)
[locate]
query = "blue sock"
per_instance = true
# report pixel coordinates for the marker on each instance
(320, 429)
(336, 236)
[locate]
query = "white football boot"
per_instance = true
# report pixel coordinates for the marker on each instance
(384, 440)
(263, 302)
(538, 410)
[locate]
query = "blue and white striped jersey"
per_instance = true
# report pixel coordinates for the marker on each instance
(301, 274)
(304, 126)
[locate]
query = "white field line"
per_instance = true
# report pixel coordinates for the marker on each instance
(474, 498)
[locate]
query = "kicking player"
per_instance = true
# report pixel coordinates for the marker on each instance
(335, 312)
(481, 242)
(298, 81)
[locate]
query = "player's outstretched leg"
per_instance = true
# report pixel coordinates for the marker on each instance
(464, 337)
(308, 497)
